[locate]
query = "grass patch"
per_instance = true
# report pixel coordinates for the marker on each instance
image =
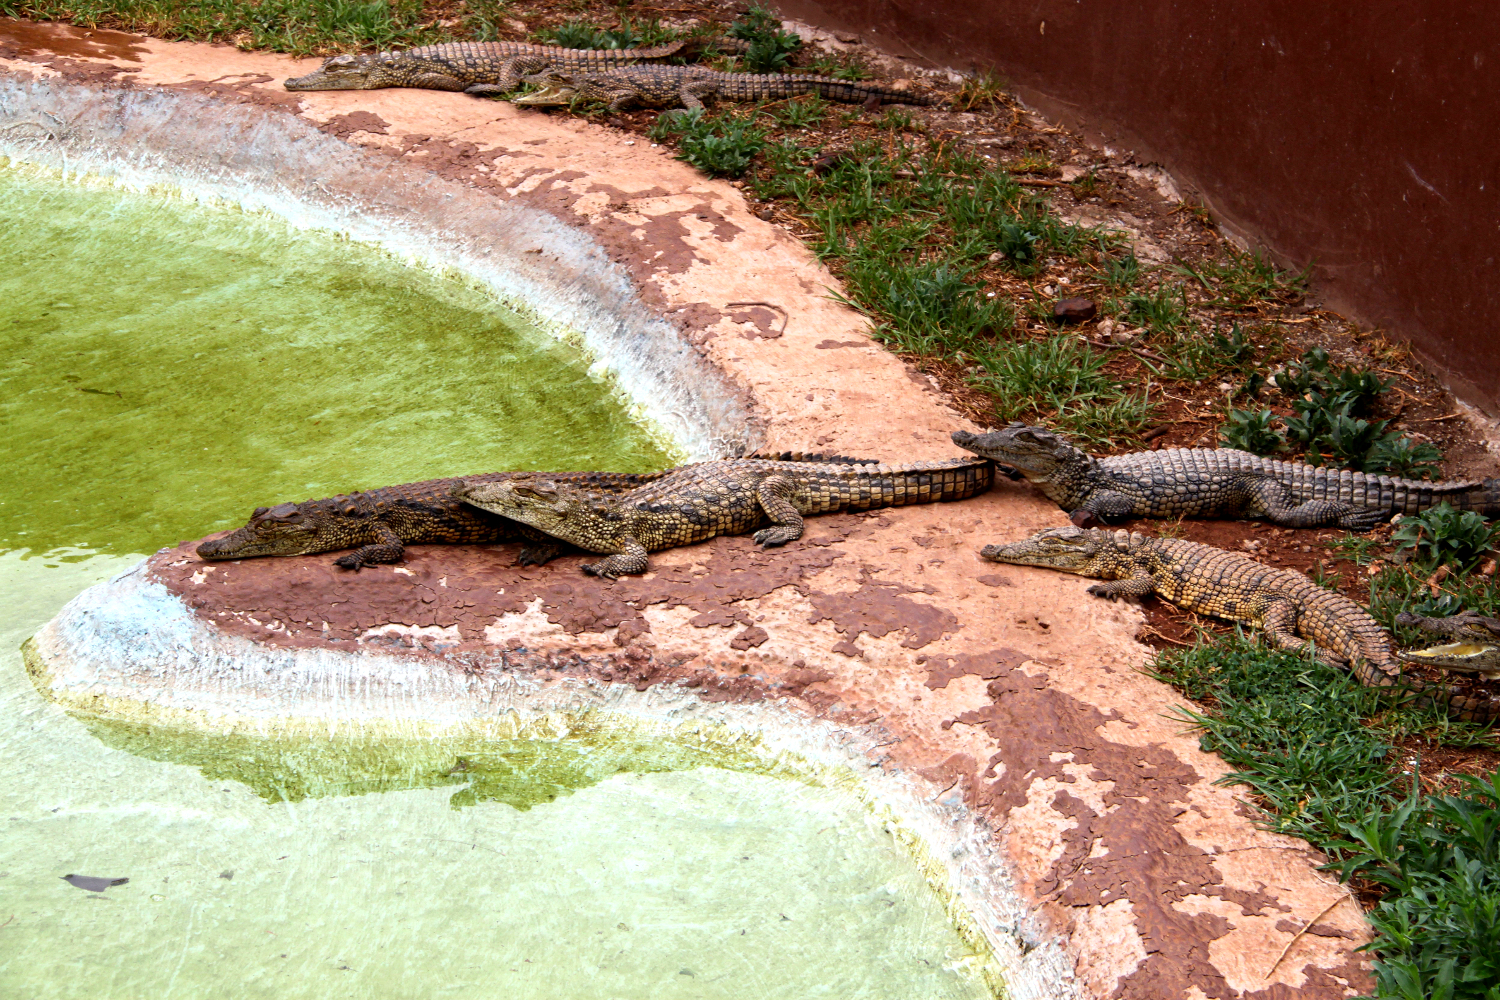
(298, 27)
(1317, 750)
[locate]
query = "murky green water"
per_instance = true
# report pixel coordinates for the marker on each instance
(166, 368)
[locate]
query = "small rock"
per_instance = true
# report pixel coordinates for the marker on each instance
(996, 257)
(515, 24)
(767, 213)
(1123, 337)
(92, 883)
(846, 37)
(1074, 310)
(1225, 387)
(901, 84)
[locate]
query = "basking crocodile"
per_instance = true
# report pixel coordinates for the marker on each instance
(1289, 608)
(1216, 482)
(717, 498)
(481, 67)
(687, 86)
(378, 524)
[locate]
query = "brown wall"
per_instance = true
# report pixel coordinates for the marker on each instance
(1362, 137)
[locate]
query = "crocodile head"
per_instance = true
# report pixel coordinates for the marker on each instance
(573, 515)
(1481, 658)
(1038, 453)
(350, 72)
(1072, 550)
(555, 90)
(284, 530)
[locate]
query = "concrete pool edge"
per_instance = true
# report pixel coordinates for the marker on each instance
(1146, 878)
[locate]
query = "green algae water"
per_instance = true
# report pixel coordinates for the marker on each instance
(167, 367)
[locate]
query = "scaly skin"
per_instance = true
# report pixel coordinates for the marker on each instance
(687, 86)
(378, 524)
(1216, 482)
(718, 498)
(1294, 612)
(479, 67)
(1291, 609)
(1475, 649)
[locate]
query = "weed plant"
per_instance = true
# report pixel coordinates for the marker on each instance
(1317, 749)
(1445, 536)
(843, 66)
(299, 27)
(1252, 431)
(721, 146)
(770, 48)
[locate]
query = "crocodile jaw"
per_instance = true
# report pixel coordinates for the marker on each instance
(553, 93)
(1481, 658)
(1069, 549)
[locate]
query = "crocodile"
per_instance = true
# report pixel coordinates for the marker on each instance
(1216, 482)
(718, 498)
(1289, 608)
(687, 86)
(379, 523)
(480, 68)
(1475, 649)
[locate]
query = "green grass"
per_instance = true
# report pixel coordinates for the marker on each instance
(1318, 751)
(299, 27)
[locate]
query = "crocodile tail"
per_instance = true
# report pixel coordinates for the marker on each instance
(838, 90)
(817, 457)
(939, 482)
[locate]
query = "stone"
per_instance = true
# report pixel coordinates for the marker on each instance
(1074, 310)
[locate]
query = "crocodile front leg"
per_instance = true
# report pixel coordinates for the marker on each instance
(388, 549)
(435, 81)
(1271, 499)
(1101, 505)
(1133, 586)
(772, 494)
(630, 559)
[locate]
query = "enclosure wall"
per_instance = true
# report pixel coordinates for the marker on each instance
(1362, 139)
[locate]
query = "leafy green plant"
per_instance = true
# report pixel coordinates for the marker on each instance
(843, 66)
(1403, 456)
(575, 35)
(1017, 245)
(721, 145)
(800, 112)
(1444, 535)
(927, 308)
(770, 47)
(1251, 431)
(1062, 383)
(1316, 749)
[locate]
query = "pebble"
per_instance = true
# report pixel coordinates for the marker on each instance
(1074, 310)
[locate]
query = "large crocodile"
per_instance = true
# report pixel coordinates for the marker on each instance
(378, 524)
(718, 498)
(687, 86)
(480, 67)
(1216, 482)
(1293, 611)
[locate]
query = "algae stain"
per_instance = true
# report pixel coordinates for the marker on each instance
(522, 771)
(165, 367)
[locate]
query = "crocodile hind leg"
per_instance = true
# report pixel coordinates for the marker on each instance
(511, 72)
(786, 523)
(1276, 616)
(631, 560)
(1270, 498)
(389, 549)
(692, 94)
